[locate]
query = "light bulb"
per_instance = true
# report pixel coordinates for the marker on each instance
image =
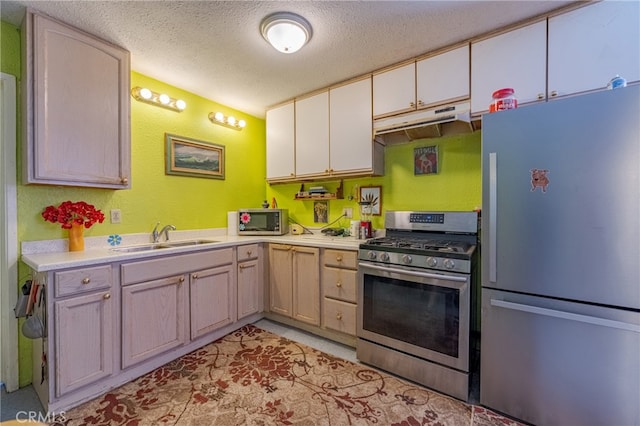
(231, 120)
(242, 123)
(145, 93)
(164, 99)
(219, 116)
(180, 104)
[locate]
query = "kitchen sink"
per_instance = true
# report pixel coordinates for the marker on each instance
(187, 243)
(157, 246)
(145, 247)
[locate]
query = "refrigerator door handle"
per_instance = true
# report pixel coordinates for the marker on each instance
(566, 315)
(493, 215)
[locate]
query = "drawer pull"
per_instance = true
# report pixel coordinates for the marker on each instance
(242, 266)
(338, 316)
(106, 296)
(86, 280)
(338, 258)
(194, 276)
(554, 93)
(248, 253)
(180, 280)
(339, 284)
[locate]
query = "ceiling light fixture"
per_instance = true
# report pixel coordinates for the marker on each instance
(230, 121)
(285, 31)
(143, 94)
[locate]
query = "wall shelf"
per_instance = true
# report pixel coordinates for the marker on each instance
(305, 196)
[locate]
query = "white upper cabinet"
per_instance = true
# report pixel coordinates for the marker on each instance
(351, 126)
(76, 121)
(590, 45)
(312, 135)
(442, 78)
(515, 59)
(394, 91)
(281, 142)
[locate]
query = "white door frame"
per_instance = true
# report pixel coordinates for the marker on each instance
(8, 235)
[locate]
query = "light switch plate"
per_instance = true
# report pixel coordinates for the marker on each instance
(116, 216)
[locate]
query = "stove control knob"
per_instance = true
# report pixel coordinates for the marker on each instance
(432, 262)
(384, 257)
(406, 259)
(449, 264)
(371, 255)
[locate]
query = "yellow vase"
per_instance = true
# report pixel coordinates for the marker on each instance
(76, 237)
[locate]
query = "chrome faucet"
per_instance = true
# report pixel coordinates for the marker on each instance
(156, 235)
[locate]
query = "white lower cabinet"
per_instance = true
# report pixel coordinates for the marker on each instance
(212, 299)
(153, 318)
(84, 327)
(250, 280)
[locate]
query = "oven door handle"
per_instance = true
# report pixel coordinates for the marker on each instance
(415, 273)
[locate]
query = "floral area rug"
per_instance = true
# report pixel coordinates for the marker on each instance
(254, 377)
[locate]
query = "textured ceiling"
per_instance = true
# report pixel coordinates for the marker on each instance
(215, 49)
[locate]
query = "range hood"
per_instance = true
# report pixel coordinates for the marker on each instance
(429, 123)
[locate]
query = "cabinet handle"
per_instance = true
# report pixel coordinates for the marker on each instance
(194, 276)
(338, 316)
(338, 258)
(124, 180)
(106, 296)
(243, 266)
(339, 284)
(540, 96)
(180, 280)
(86, 280)
(554, 93)
(412, 104)
(420, 103)
(248, 253)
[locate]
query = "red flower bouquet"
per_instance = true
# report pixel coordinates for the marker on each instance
(69, 213)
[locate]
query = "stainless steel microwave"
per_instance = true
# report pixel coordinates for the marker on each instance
(263, 221)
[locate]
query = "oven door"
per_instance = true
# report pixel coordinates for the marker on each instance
(418, 312)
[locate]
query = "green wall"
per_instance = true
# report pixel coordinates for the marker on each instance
(197, 203)
(456, 186)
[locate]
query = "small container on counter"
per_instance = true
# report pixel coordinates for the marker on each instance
(616, 82)
(503, 99)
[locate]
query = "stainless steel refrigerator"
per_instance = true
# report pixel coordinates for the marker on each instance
(560, 332)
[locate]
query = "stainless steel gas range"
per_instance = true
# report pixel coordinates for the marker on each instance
(415, 298)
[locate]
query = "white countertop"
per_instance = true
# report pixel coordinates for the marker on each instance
(50, 255)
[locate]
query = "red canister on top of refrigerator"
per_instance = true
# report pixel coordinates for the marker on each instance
(503, 99)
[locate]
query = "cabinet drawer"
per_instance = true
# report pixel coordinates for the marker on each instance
(339, 283)
(340, 316)
(246, 252)
(82, 280)
(340, 258)
(147, 270)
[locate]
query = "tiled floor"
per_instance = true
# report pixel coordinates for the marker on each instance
(25, 400)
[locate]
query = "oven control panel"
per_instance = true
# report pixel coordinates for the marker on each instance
(426, 218)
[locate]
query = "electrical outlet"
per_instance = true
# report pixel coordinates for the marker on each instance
(347, 212)
(116, 216)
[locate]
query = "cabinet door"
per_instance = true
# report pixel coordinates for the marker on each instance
(84, 343)
(280, 142)
(312, 135)
(280, 279)
(213, 301)
(78, 108)
(394, 91)
(153, 318)
(249, 288)
(590, 45)
(443, 78)
(350, 137)
(515, 59)
(306, 284)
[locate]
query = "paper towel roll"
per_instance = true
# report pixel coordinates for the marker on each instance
(232, 223)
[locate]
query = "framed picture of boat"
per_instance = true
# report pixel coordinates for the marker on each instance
(189, 157)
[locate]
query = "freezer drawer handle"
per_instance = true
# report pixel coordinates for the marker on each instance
(566, 315)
